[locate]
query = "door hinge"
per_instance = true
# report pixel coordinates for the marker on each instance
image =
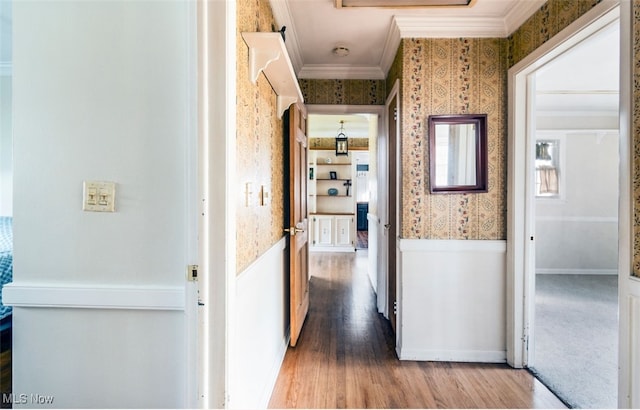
(395, 307)
(192, 273)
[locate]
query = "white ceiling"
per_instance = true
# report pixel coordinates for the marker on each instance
(583, 81)
(316, 27)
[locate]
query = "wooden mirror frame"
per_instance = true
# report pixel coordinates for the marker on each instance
(480, 121)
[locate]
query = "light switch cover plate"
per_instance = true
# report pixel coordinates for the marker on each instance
(99, 196)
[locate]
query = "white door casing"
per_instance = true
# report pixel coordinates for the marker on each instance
(520, 203)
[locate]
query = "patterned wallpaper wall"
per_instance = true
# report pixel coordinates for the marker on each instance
(552, 17)
(437, 76)
(259, 146)
(452, 76)
(635, 139)
(347, 92)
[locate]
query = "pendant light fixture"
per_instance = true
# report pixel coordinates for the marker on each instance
(342, 144)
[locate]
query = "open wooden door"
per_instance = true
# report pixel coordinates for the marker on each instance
(296, 217)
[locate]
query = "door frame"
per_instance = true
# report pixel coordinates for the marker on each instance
(385, 180)
(216, 104)
(520, 218)
(379, 110)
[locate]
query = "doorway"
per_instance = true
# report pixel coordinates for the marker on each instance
(544, 156)
(363, 126)
(575, 210)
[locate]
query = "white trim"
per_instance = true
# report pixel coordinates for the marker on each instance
(572, 219)
(383, 203)
(520, 13)
(390, 49)
(519, 222)
(282, 15)
(628, 285)
(450, 27)
(439, 245)
(275, 371)
(467, 356)
(93, 297)
(572, 271)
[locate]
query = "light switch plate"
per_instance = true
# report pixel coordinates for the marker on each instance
(99, 196)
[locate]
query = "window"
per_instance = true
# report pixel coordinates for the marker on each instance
(548, 169)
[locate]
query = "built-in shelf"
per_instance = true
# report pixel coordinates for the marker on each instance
(329, 179)
(333, 164)
(268, 54)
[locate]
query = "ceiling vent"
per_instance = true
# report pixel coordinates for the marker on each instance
(403, 3)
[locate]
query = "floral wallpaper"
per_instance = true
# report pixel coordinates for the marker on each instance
(552, 17)
(259, 146)
(452, 76)
(635, 139)
(461, 75)
(347, 92)
(354, 144)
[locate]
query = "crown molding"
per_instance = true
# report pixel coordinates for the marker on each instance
(449, 27)
(330, 72)
(391, 45)
(521, 13)
(282, 15)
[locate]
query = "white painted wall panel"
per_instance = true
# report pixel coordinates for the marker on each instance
(261, 329)
(86, 358)
(102, 91)
(452, 302)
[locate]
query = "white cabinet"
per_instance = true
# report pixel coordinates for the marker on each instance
(333, 233)
(331, 202)
(343, 225)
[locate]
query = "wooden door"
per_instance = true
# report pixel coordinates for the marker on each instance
(296, 218)
(392, 218)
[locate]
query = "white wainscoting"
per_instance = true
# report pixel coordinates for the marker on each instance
(261, 330)
(452, 297)
(129, 337)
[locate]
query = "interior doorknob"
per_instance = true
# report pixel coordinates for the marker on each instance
(293, 230)
(387, 226)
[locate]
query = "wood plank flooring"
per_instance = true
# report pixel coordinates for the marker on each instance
(346, 358)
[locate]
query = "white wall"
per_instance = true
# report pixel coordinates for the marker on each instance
(102, 91)
(261, 329)
(579, 232)
(6, 160)
(452, 300)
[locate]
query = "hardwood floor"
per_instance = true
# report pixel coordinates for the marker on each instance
(346, 358)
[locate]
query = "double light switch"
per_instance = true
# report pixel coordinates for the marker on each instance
(99, 196)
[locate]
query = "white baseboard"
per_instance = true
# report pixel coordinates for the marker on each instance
(566, 271)
(275, 372)
(475, 356)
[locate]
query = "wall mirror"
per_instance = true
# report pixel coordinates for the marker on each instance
(458, 153)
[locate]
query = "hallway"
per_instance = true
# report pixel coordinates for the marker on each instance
(345, 357)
